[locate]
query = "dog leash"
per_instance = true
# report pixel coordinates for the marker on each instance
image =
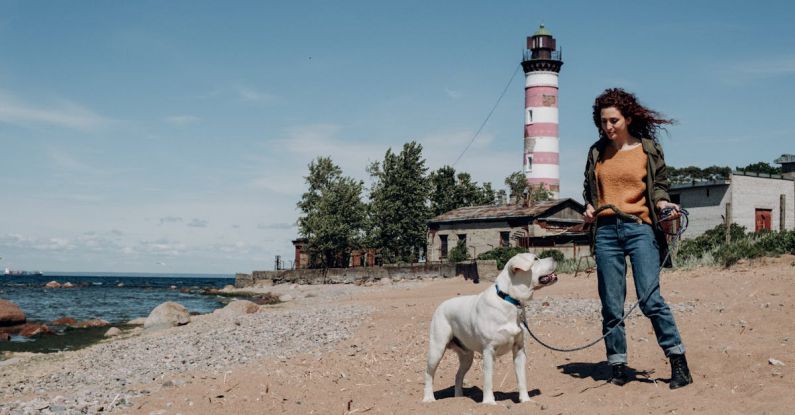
(666, 213)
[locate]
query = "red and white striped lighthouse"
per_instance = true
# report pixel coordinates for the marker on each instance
(541, 66)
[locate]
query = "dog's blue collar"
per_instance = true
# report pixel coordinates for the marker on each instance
(507, 297)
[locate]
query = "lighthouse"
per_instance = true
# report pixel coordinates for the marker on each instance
(541, 64)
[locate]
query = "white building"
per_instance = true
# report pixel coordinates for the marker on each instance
(758, 201)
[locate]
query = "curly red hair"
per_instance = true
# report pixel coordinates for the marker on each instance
(646, 123)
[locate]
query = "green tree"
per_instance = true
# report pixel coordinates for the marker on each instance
(467, 192)
(333, 214)
(398, 204)
(443, 190)
(459, 252)
(486, 195)
(761, 167)
(692, 174)
(517, 184)
(451, 191)
(540, 194)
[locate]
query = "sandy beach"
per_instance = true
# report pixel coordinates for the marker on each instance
(361, 349)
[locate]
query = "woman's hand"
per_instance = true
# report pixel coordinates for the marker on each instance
(662, 204)
(589, 213)
(667, 222)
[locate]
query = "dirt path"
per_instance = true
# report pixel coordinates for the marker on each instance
(733, 322)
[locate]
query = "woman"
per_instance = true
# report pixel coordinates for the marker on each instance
(626, 168)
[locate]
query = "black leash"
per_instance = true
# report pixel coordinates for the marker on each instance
(665, 216)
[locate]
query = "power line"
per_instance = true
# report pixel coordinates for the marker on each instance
(510, 81)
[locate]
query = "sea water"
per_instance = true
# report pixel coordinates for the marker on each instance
(114, 297)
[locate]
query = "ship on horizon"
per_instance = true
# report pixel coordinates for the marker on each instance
(13, 272)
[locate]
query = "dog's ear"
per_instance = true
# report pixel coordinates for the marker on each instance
(521, 262)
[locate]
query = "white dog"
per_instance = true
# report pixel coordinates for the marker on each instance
(488, 323)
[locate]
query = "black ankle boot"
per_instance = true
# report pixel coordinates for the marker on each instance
(680, 373)
(619, 376)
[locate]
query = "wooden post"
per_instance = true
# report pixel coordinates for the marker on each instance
(782, 212)
(728, 219)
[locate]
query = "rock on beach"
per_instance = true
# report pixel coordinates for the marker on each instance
(11, 314)
(52, 284)
(137, 321)
(237, 308)
(30, 330)
(113, 331)
(166, 315)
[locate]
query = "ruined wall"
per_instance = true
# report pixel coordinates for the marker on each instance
(476, 270)
(481, 237)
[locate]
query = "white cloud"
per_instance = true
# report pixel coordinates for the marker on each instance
(250, 94)
(453, 94)
(170, 219)
(240, 92)
(198, 223)
(66, 162)
(305, 143)
(759, 68)
(61, 113)
(181, 120)
(285, 169)
(163, 246)
(282, 225)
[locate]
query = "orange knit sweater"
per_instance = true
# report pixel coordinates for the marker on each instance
(620, 176)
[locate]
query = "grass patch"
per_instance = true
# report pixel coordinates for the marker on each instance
(711, 248)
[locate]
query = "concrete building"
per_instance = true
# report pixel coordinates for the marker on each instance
(758, 201)
(787, 162)
(541, 64)
(554, 224)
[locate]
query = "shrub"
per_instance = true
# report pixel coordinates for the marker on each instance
(712, 244)
(554, 253)
(459, 252)
(709, 241)
(502, 254)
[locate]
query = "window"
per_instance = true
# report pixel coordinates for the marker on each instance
(528, 167)
(443, 239)
(529, 116)
(505, 239)
(462, 237)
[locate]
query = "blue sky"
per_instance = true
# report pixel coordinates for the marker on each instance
(174, 136)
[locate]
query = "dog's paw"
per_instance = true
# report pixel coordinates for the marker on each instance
(524, 398)
(428, 399)
(490, 401)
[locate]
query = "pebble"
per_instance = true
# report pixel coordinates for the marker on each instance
(94, 380)
(775, 362)
(567, 308)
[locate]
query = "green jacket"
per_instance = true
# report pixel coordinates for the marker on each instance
(656, 185)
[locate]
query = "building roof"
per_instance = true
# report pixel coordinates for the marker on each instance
(542, 31)
(785, 158)
(725, 182)
(704, 183)
(502, 212)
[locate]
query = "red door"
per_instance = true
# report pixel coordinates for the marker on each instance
(763, 219)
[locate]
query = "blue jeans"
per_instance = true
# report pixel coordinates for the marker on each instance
(615, 239)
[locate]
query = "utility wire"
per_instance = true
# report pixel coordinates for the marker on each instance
(474, 137)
